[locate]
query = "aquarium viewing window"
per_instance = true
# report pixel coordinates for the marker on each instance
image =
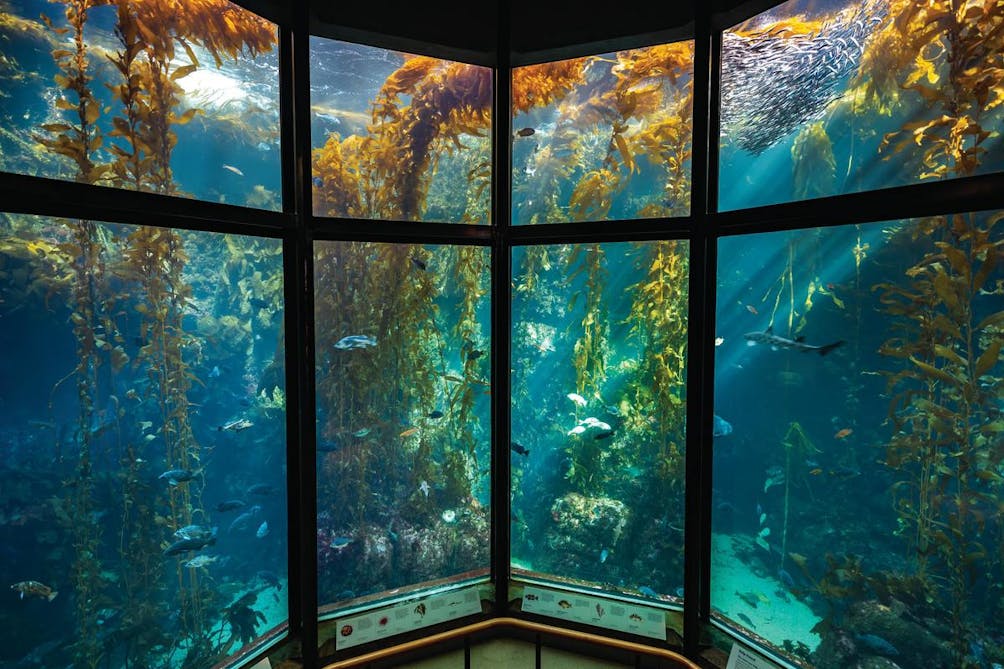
(316, 342)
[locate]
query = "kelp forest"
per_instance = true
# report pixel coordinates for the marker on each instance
(880, 504)
(118, 489)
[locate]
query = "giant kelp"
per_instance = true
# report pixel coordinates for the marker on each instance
(610, 114)
(398, 421)
(141, 140)
(422, 110)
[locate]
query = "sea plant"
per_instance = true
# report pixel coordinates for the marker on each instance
(948, 339)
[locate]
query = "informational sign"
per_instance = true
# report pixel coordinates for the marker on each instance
(366, 627)
(264, 664)
(641, 620)
(742, 657)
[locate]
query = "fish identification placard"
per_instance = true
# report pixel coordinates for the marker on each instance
(641, 620)
(366, 627)
(745, 658)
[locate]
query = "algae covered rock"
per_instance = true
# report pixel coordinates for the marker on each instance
(584, 527)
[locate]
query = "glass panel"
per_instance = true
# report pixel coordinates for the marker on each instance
(142, 490)
(825, 98)
(598, 409)
(398, 136)
(603, 137)
(858, 518)
(179, 98)
(403, 410)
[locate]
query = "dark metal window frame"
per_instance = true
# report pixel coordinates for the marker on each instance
(296, 226)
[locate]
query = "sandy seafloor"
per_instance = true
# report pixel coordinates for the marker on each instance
(775, 619)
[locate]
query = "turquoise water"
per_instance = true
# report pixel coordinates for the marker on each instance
(143, 504)
(857, 463)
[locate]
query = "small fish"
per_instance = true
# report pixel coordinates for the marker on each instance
(750, 308)
(419, 263)
(339, 543)
(797, 344)
(200, 561)
(518, 448)
(238, 425)
(577, 398)
(746, 619)
(719, 341)
(604, 554)
(846, 432)
(410, 431)
(604, 435)
(434, 414)
(262, 489)
(524, 132)
(231, 168)
(231, 505)
(188, 545)
(578, 429)
(361, 433)
(195, 532)
(877, 644)
(35, 589)
(176, 476)
(786, 578)
(816, 471)
(474, 355)
(424, 487)
(262, 530)
(318, 182)
(355, 341)
(845, 472)
(214, 373)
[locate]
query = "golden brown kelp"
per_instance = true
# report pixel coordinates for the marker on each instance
(80, 139)
(813, 165)
(945, 54)
(387, 174)
(944, 412)
(655, 412)
(541, 85)
(378, 290)
(149, 33)
(469, 282)
(589, 355)
(88, 270)
(153, 259)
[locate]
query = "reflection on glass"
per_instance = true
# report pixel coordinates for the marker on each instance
(398, 136)
(603, 137)
(403, 410)
(828, 98)
(598, 409)
(855, 519)
(142, 513)
(180, 98)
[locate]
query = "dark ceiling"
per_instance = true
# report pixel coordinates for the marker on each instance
(539, 30)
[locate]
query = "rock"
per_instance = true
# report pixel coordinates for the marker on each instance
(583, 527)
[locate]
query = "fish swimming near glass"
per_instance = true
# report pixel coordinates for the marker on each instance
(355, 341)
(778, 342)
(187, 545)
(34, 589)
(176, 476)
